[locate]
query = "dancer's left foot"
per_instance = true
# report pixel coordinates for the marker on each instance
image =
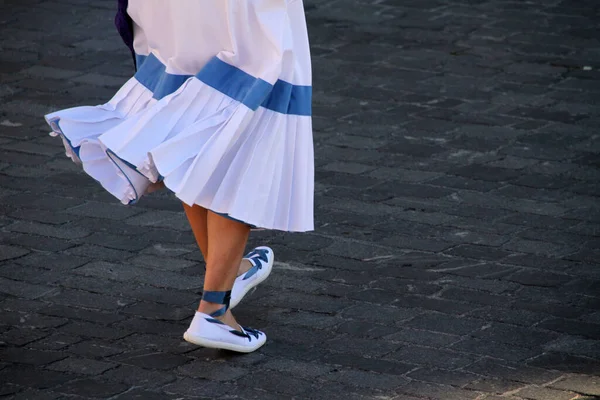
(255, 268)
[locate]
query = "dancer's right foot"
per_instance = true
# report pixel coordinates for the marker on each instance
(218, 329)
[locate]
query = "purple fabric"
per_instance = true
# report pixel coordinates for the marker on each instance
(124, 25)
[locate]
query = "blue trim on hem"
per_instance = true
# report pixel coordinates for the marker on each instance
(54, 124)
(110, 154)
(282, 97)
(233, 219)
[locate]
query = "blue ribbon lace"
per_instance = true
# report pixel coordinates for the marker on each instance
(256, 257)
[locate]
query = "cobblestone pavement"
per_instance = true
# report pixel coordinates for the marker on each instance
(458, 220)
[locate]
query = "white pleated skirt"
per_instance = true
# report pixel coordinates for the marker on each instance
(219, 110)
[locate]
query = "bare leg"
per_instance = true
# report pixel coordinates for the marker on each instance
(226, 243)
(197, 216)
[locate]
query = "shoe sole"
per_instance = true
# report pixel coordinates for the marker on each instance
(213, 344)
(268, 269)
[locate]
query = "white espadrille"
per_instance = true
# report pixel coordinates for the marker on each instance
(207, 331)
(261, 259)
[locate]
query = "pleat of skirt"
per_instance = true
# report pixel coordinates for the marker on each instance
(219, 110)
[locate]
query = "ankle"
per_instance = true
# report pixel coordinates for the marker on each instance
(245, 266)
(208, 308)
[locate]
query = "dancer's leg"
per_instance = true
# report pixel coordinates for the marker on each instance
(226, 243)
(197, 216)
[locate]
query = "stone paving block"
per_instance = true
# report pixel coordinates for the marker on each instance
(55, 342)
(109, 271)
(515, 372)
(97, 209)
(99, 253)
(348, 168)
(30, 357)
(511, 204)
(567, 363)
(494, 286)
(413, 243)
(165, 219)
(152, 360)
(368, 379)
(444, 323)
(81, 366)
(35, 242)
(514, 335)
(473, 218)
(365, 329)
(438, 392)
(90, 330)
(94, 348)
(158, 311)
(404, 175)
(460, 236)
(151, 326)
(31, 147)
(306, 302)
(118, 242)
(441, 358)
(535, 261)
(299, 369)
(92, 387)
(100, 80)
(509, 316)
(437, 304)
(9, 252)
(358, 251)
(542, 393)
(21, 336)
(156, 235)
(501, 351)
(167, 279)
(33, 394)
(423, 337)
(49, 72)
(72, 312)
(161, 263)
(167, 296)
(219, 372)
(474, 296)
(478, 252)
(43, 216)
(493, 385)
(26, 290)
(537, 247)
(142, 394)
(48, 230)
(78, 298)
(522, 192)
(144, 340)
(30, 320)
(292, 351)
(29, 376)
(197, 388)
(579, 383)
(572, 327)
(137, 376)
(442, 376)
